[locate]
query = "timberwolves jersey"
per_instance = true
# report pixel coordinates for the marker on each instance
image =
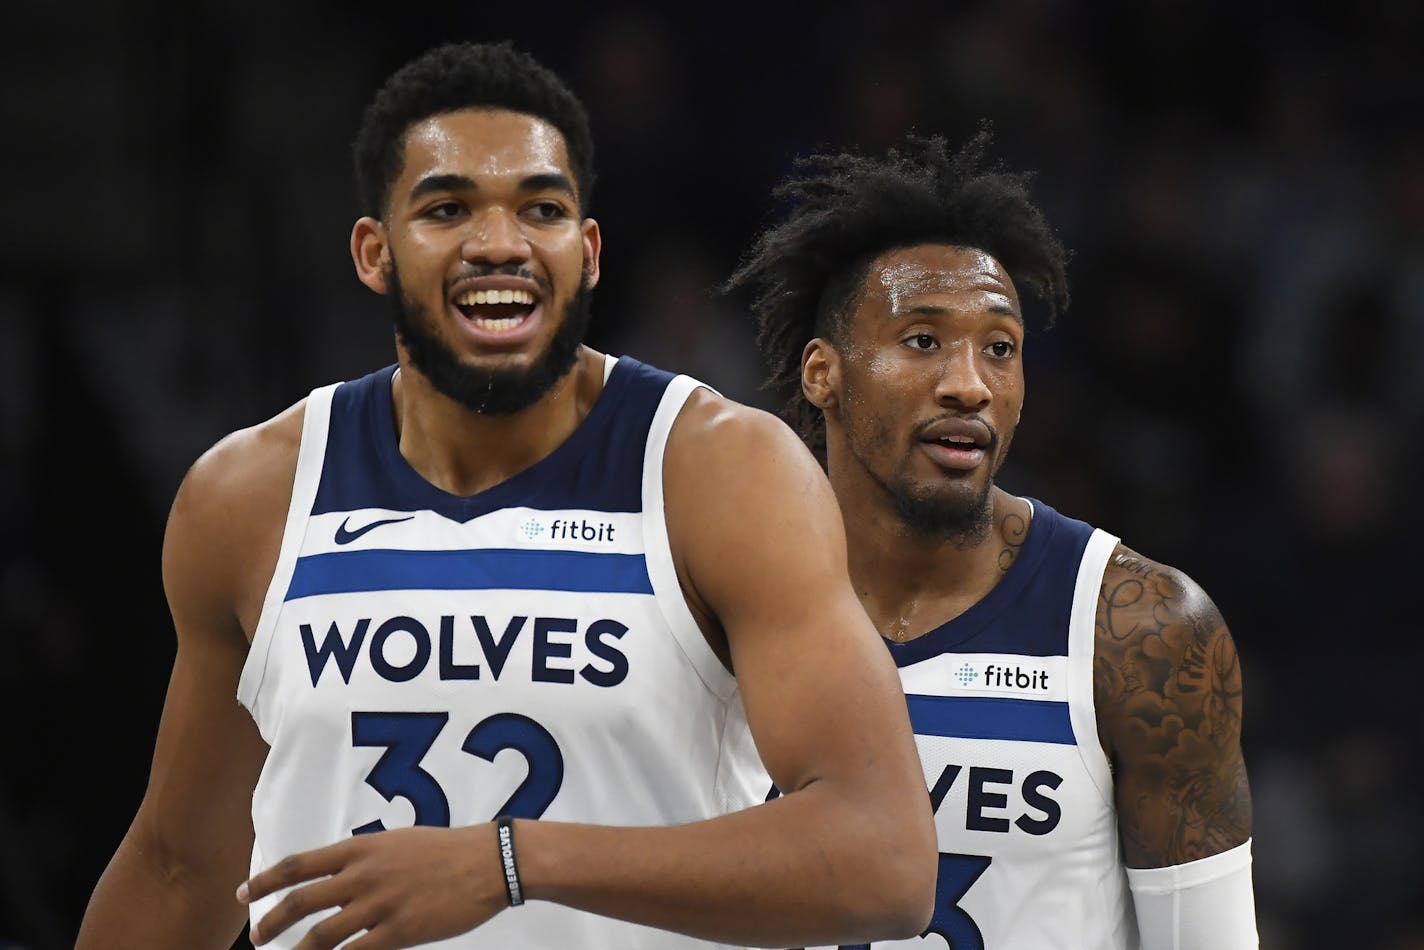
(425, 658)
(1001, 700)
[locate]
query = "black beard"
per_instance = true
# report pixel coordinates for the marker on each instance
(496, 392)
(964, 523)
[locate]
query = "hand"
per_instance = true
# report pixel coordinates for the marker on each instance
(403, 887)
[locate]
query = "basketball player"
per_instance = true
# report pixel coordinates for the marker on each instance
(510, 576)
(1077, 705)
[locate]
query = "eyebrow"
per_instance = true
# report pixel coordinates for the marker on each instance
(932, 310)
(545, 181)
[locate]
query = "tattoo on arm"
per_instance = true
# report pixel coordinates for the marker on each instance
(1167, 683)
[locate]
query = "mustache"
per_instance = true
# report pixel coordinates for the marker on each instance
(500, 270)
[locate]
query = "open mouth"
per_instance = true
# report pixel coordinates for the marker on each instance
(962, 442)
(957, 444)
(496, 311)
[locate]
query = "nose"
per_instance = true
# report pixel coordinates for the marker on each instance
(961, 385)
(495, 238)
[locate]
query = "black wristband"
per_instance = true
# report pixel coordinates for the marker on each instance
(504, 832)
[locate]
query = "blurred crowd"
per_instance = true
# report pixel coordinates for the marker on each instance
(1237, 389)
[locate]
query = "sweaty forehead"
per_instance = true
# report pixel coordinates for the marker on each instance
(943, 275)
(480, 143)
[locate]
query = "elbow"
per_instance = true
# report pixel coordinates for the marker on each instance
(897, 899)
(909, 912)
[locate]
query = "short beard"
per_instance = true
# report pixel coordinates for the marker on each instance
(963, 523)
(925, 514)
(495, 392)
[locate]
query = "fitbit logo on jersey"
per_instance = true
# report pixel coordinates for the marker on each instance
(998, 677)
(1014, 677)
(569, 529)
(577, 529)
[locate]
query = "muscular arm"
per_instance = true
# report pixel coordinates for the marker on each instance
(1167, 684)
(848, 853)
(171, 881)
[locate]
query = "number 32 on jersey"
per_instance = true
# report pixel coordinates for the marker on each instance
(408, 736)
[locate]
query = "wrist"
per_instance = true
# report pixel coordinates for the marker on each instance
(509, 862)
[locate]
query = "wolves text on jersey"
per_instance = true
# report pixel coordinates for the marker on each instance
(986, 802)
(552, 643)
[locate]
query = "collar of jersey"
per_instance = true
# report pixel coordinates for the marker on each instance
(968, 624)
(520, 489)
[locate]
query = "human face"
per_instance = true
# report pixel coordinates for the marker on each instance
(927, 386)
(485, 256)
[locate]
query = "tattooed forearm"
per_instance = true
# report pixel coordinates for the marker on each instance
(1167, 682)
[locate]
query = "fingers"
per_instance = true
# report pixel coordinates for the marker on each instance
(379, 938)
(293, 870)
(301, 903)
(330, 932)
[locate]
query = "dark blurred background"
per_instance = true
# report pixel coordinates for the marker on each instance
(1237, 389)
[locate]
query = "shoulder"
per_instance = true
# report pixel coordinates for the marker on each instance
(721, 453)
(227, 519)
(715, 430)
(244, 469)
(1144, 605)
(1162, 648)
(737, 479)
(1147, 593)
(1168, 690)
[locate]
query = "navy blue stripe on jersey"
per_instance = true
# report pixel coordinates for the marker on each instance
(1027, 612)
(599, 467)
(990, 717)
(345, 572)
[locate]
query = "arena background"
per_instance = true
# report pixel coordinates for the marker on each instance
(1237, 388)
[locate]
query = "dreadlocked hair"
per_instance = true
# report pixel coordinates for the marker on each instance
(805, 274)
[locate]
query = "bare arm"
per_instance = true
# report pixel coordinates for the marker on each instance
(1167, 682)
(845, 856)
(171, 880)
(848, 853)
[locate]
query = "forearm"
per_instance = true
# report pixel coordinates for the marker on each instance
(806, 868)
(146, 903)
(1205, 904)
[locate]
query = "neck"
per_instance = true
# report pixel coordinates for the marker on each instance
(464, 452)
(910, 584)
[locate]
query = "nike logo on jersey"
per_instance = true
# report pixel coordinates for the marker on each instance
(344, 536)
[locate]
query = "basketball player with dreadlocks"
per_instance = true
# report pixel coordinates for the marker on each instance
(1077, 705)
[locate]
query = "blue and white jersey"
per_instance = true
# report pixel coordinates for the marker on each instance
(1001, 701)
(425, 658)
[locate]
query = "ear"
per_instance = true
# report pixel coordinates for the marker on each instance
(821, 374)
(370, 252)
(592, 247)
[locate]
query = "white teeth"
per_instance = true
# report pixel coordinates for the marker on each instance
(472, 298)
(503, 323)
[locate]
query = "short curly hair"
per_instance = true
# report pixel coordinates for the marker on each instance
(464, 76)
(805, 273)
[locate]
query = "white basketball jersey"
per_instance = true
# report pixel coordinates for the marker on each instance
(1001, 701)
(424, 658)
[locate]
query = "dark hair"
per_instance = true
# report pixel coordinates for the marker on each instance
(464, 76)
(805, 273)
